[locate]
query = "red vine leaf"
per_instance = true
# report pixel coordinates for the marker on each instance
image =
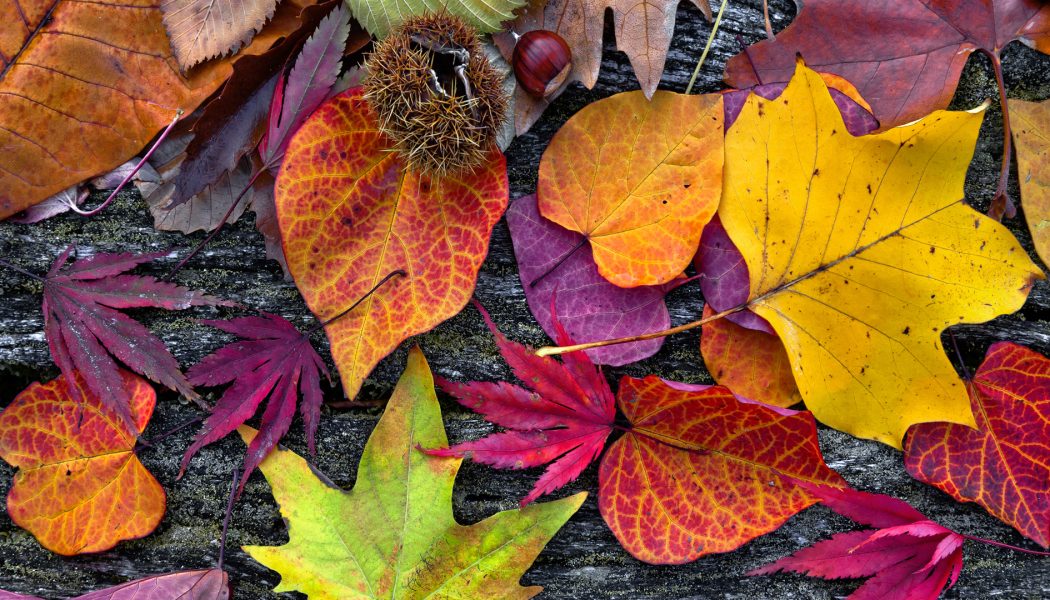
(1002, 465)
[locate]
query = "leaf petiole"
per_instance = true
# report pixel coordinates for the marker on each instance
(375, 287)
(127, 178)
(707, 47)
(1001, 204)
(17, 269)
(982, 540)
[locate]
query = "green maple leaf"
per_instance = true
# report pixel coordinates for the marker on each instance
(393, 535)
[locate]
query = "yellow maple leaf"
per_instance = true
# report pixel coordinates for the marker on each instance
(861, 251)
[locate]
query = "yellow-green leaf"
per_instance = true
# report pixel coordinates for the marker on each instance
(393, 535)
(380, 17)
(1031, 130)
(861, 251)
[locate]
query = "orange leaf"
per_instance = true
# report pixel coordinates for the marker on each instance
(1004, 464)
(639, 178)
(350, 214)
(752, 363)
(732, 455)
(85, 85)
(80, 488)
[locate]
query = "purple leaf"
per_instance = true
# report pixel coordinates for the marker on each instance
(589, 307)
(724, 279)
(206, 161)
(308, 84)
(61, 202)
(857, 119)
(272, 360)
(209, 584)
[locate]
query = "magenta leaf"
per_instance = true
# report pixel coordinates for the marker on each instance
(588, 305)
(563, 418)
(85, 329)
(857, 119)
(907, 558)
(209, 584)
(271, 360)
(307, 86)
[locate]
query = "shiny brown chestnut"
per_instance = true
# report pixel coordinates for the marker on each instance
(542, 62)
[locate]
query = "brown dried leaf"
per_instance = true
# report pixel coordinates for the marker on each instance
(203, 29)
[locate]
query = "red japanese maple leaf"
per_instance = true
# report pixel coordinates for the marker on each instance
(84, 327)
(271, 361)
(907, 556)
(568, 413)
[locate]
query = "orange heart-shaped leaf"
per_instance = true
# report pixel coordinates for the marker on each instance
(80, 488)
(350, 214)
(752, 363)
(639, 178)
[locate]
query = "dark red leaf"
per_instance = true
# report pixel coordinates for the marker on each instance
(272, 359)
(84, 328)
(565, 418)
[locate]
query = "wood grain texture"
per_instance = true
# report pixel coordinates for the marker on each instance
(583, 560)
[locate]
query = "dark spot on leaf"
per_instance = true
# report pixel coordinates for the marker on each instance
(869, 188)
(933, 250)
(68, 472)
(907, 330)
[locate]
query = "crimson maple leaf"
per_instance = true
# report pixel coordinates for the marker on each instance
(84, 327)
(568, 413)
(907, 556)
(271, 360)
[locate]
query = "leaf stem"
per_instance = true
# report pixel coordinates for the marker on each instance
(551, 350)
(1001, 204)
(375, 287)
(982, 540)
(226, 519)
(226, 217)
(707, 47)
(150, 442)
(17, 269)
(127, 178)
(557, 263)
(765, 15)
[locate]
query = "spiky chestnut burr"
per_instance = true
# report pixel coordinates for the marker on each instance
(436, 95)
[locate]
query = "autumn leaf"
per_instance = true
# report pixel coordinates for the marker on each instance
(563, 418)
(699, 470)
(1031, 129)
(83, 325)
(380, 17)
(724, 279)
(350, 213)
(1002, 465)
(643, 32)
(270, 362)
(393, 535)
(639, 179)
(907, 558)
(728, 449)
(556, 264)
(904, 57)
(309, 84)
(79, 488)
(203, 29)
(750, 362)
(861, 252)
(89, 86)
(208, 584)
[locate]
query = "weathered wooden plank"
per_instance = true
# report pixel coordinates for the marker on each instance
(584, 560)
